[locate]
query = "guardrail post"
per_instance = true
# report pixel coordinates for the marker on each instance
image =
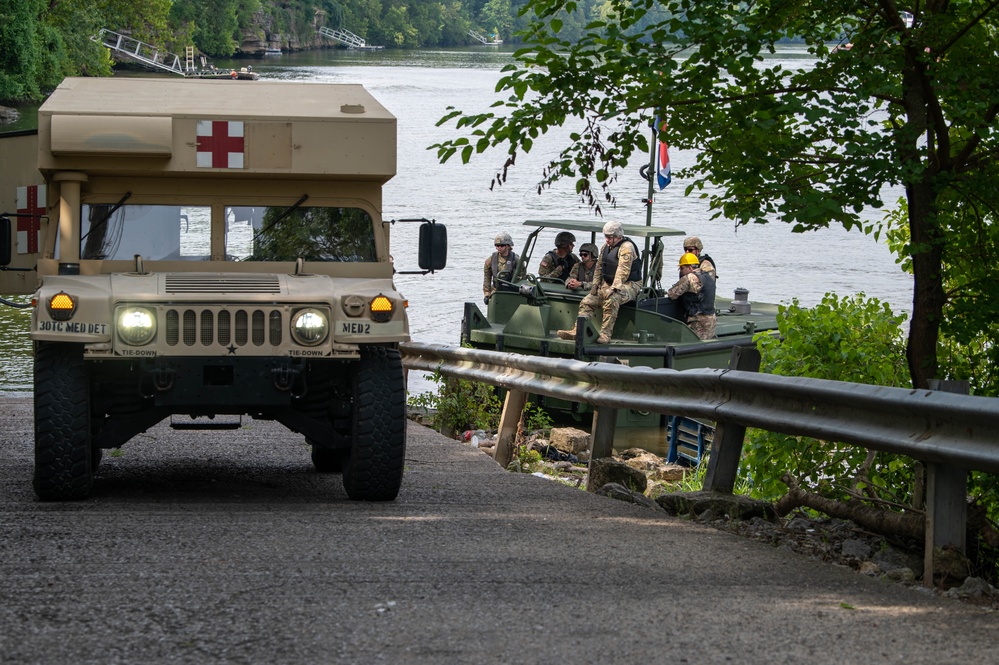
(604, 417)
(602, 432)
(726, 448)
(513, 410)
(946, 500)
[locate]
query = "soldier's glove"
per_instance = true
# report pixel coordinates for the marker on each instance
(485, 300)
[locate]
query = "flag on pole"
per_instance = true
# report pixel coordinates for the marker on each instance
(664, 174)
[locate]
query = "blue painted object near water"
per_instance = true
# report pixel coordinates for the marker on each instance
(689, 440)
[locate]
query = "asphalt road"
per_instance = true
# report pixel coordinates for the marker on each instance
(228, 548)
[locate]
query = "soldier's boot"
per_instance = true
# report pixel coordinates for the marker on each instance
(566, 334)
(603, 339)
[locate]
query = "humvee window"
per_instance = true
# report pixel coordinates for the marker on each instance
(312, 233)
(155, 232)
(259, 233)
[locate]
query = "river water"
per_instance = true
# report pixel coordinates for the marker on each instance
(418, 86)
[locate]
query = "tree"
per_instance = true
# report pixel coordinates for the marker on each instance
(896, 101)
(43, 42)
(216, 27)
(18, 52)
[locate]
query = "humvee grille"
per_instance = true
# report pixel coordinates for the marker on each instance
(222, 328)
(195, 283)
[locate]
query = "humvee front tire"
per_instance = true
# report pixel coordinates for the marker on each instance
(63, 458)
(373, 470)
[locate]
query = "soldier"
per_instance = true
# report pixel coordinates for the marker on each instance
(696, 288)
(581, 275)
(558, 263)
(616, 280)
(694, 245)
(500, 266)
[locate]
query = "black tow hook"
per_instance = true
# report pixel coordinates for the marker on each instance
(285, 378)
(163, 378)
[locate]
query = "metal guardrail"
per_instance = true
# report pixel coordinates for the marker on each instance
(928, 425)
(951, 433)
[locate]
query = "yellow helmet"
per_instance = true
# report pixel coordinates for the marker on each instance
(689, 259)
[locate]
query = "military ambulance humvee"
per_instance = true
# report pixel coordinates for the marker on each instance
(201, 249)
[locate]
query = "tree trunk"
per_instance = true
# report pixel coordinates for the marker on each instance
(926, 243)
(928, 296)
(906, 525)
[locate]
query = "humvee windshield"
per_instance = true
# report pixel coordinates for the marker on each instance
(258, 233)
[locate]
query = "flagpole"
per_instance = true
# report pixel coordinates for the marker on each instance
(653, 170)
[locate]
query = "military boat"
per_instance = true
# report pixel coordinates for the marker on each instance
(524, 315)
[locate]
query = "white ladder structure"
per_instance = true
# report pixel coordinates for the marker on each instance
(146, 54)
(482, 40)
(346, 37)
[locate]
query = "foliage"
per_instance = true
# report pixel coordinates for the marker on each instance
(536, 419)
(898, 104)
(529, 459)
(842, 339)
(460, 404)
(41, 43)
(18, 51)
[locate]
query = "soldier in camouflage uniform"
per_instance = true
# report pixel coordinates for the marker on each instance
(581, 275)
(499, 266)
(559, 262)
(694, 245)
(616, 280)
(696, 289)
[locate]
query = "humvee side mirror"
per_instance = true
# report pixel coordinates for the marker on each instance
(4, 241)
(433, 246)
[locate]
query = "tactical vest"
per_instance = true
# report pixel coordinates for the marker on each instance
(608, 263)
(507, 274)
(584, 274)
(704, 257)
(564, 264)
(703, 302)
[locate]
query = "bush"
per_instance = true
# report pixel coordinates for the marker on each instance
(843, 339)
(460, 404)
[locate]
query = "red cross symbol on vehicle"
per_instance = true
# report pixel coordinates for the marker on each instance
(220, 144)
(30, 208)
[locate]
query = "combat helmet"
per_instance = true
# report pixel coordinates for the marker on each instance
(693, 241)
(564, 239)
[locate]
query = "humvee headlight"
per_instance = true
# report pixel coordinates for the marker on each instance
(381, 309)
(62, 306)
(309, 327)
(136, 325)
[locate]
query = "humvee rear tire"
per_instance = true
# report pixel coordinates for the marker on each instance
(373, 470)
(63, 456)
